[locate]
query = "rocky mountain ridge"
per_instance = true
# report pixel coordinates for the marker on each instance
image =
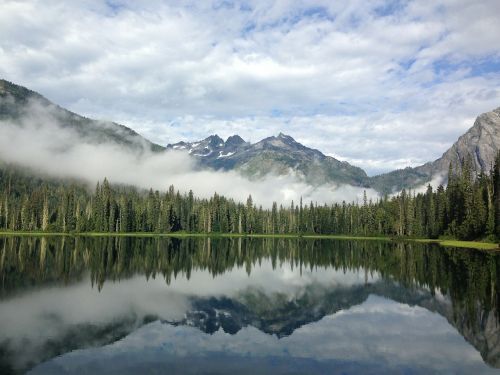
(277, 154)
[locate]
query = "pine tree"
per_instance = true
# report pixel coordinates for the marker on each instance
(45, 214)
(496, 195)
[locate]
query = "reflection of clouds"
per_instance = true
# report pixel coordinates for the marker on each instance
(30, 320)
(283, 279)
(382, 333)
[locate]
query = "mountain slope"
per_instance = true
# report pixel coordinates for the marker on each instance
(481, 142)
(19, 105)
(280, 155)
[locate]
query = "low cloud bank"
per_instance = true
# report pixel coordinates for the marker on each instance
(42, 142)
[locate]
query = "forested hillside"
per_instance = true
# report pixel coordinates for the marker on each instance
(468, 208)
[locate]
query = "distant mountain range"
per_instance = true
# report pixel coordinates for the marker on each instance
(283, 154)
(278, 154)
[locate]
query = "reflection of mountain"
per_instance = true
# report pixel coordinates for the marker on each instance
(278, 315)
(76, 337)
(271, 313)
(413, 274)
(482, 332)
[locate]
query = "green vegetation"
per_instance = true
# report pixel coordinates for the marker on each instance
(466, 244)
(447, 243)
(467, 209)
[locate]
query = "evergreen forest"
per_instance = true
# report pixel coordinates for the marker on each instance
(468, 208)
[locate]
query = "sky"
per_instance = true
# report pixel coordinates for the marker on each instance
(380, 84)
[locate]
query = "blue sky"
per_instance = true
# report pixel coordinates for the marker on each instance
(381, 84)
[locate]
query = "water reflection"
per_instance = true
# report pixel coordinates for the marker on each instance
(313, 304)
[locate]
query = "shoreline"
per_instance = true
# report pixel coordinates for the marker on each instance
(445, 243)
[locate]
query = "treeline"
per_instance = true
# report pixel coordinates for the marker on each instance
(468, 208)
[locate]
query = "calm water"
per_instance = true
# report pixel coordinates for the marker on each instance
(191, 306)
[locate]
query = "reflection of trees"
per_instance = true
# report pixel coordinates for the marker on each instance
(469, 278)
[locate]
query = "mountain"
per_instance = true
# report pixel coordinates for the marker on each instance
(481, 142)
(19, 105)
(280, 154)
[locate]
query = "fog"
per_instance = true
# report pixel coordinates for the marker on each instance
(40, 140)
(437, 179)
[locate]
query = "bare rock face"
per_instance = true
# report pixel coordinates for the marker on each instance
(482, 142)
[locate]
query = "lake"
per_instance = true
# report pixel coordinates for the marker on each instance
(91, 305)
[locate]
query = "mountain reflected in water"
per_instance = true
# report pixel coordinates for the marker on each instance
(205, 305)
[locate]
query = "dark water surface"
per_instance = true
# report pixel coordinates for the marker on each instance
(246, 306)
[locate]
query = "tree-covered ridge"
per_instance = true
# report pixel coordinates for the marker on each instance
(20, 106)
(468, 208)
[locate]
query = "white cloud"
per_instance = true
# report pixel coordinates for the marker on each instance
(379, 84)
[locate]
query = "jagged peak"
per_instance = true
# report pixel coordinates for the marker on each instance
(235, 139)
(280, 137)
(214, 141)
(285, 136)
(214, 137)
(495, 111)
